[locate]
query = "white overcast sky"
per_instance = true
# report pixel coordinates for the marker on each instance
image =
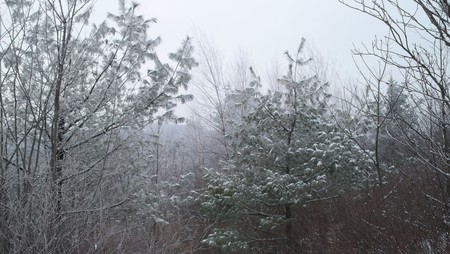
(262, 28)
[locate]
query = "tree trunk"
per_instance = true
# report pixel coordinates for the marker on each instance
(57, 150)
(288, 228)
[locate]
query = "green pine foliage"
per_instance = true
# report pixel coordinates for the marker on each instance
(287, 152)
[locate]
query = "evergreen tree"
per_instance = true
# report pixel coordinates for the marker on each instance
(287, 152)
(71, 97)
(397, 130)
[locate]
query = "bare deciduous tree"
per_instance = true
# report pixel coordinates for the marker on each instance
(72, 96)
(417, 51)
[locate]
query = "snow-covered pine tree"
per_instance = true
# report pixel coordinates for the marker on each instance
(287, 152)
(71, 94)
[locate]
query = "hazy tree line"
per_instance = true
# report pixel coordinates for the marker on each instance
(92, 161)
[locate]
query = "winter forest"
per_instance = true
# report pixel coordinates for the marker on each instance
(96, 158)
